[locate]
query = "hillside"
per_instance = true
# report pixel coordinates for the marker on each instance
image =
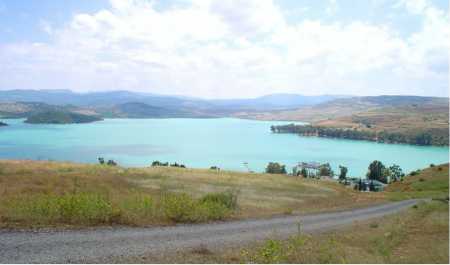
(431, 182)
(60, 117)
(346, 107)
(36, 193)
(27, 109)
(401, 119)
(187, 105)
(142, 110)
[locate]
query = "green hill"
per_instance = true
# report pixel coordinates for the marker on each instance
(61, 117)
(431, 182)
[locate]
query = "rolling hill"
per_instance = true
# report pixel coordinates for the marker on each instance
(61, 117)
(112, 98)
(395, 119)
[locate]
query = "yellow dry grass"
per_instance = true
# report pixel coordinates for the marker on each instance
(259, 195)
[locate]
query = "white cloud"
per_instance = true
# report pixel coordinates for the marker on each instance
(332, 7)
(46, 27)
(231, 49)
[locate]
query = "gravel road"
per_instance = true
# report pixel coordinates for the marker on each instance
(105, 244)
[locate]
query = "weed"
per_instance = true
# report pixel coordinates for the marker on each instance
(228, 199)
(271, 252)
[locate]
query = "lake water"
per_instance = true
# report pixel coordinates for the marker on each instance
(201, 143)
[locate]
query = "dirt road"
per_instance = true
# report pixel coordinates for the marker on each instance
(106, 244)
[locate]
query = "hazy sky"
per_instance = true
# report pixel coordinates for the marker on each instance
(225, 48)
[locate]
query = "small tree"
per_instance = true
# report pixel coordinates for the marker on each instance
(101, 160)
(156, 163)
(275, 168)
(325, 170)
(343, 172)
(304, 172)
(111, 163)
(376, 171)
(396, 172)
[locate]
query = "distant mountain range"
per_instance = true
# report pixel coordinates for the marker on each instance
(126, 104)
(98, 99)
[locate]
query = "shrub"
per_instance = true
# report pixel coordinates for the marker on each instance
(272, 252)
(432, 165)
(135, 208)
(80, 208)
(184, 208)
(111, 163)
(276, 168)
(209, 210)
(227, 199)
(178, 207)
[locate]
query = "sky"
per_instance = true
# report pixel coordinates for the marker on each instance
(227, 48)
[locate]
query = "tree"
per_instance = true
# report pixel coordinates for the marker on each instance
(325, 170)
(275, 168)
(111, 163)
(376, 171)
(396, 172)
(101, 160)
(343, 172)
(304, 172)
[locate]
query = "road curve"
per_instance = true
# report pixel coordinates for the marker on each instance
(104, 244)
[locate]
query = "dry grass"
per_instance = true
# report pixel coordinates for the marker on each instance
(42, 194)
(419, 235)
(431, 182)
(127, 191)
(259, 194)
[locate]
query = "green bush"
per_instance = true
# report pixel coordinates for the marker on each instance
(184, 208)
(179, 207)
(228, 199)
(209, 210)
(80, 208)
(136, 207)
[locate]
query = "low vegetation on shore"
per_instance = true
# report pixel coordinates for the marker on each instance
(418, 137)
(42, 194)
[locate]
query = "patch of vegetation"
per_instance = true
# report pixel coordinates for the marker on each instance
(81, 209)
(61, 117)
(43, 209)
(156, 195)
(428, 183)
(275, 168)
(427, 137)
(166, 164)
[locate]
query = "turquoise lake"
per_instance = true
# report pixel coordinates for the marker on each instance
(201, 143)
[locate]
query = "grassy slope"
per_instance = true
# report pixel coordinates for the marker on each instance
(431, 182)
(418, 235)
(30, 189)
